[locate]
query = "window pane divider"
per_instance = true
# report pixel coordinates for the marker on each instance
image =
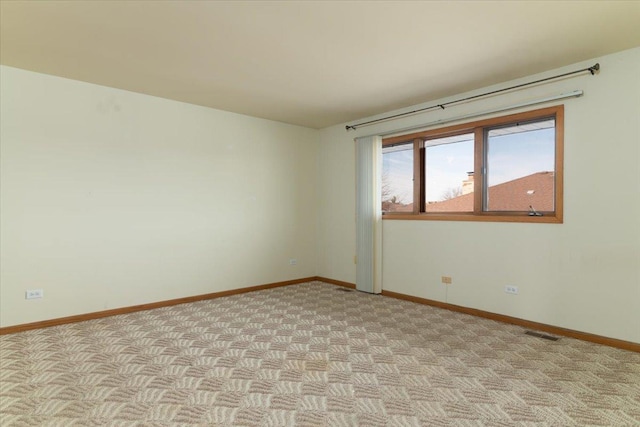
(418, 174)
(479, 180)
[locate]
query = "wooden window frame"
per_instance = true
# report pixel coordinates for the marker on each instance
(478, 128)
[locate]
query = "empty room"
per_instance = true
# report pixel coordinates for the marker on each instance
(319, 213)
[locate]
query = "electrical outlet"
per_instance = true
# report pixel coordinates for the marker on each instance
(511, 289)
(293, 261)
(34, 294)
(446, 280)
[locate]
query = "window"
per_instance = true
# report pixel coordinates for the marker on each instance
(397, 178)
(448, 161)
(501, 169)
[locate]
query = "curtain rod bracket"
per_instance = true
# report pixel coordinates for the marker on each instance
(594, 69)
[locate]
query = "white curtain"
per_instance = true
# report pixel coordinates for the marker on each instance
(369, 214)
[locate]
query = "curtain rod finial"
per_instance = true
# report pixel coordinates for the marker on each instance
(595, 68)
(348, 128)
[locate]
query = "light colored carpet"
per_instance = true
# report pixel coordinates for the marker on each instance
(310, 355)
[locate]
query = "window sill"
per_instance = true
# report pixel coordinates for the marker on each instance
(549, 218)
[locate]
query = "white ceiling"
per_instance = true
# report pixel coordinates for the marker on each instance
(311, 63)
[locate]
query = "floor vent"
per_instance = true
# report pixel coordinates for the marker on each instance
(344, 290)
(543, 336)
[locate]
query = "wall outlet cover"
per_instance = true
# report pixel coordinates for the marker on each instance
(34, 294)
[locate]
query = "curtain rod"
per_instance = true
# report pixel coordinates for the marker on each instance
(574, 94)
(593, 69)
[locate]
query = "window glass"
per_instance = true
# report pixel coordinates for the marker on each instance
(449, 174)
(397, 178)
(502, 169)
(520, 167)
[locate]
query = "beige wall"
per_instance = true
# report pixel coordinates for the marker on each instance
(583, 274)
(111, 198)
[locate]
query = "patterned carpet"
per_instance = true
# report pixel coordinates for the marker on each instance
(310, 355)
